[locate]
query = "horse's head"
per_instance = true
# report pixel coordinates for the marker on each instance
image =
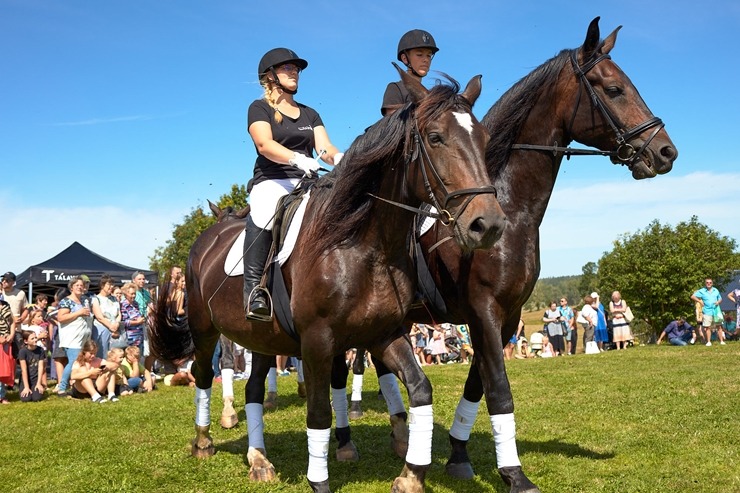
(610, 114)
(227, 213)
(445, 151)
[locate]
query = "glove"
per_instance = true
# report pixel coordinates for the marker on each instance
(304, 163)
(338, 157)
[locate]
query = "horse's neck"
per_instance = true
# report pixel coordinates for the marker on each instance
(529, 176)
(389, 226)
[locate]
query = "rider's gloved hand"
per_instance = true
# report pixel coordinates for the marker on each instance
(304, 163)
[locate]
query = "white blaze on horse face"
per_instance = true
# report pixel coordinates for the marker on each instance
(465, 121)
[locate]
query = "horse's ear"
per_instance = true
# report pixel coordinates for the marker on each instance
(417, 91)
(472, 90)
(592, 40)
(610, 40)
(214, 209)
(242, 213)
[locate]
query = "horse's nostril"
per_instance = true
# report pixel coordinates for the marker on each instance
(668, 152)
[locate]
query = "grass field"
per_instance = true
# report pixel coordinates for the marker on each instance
(649, 419)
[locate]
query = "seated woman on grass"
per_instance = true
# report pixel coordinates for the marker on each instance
(92, 376)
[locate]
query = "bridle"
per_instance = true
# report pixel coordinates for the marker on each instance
(625, 154)
(419, 152)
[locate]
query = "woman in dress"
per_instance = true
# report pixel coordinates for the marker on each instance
(620, 326)
(285, 134)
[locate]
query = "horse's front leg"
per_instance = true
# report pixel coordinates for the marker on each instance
(317, 364)
(260, 468)
(492, 379)
(399, 358)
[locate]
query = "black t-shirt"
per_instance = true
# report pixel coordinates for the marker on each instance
(32, 359)
(294, 134)
(395, 94)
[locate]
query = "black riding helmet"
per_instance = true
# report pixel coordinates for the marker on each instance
(275, 58)
(416, 38)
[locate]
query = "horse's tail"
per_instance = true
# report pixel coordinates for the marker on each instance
(169, 335)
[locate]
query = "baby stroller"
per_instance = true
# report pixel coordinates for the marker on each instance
(535, 343)
(453, 346)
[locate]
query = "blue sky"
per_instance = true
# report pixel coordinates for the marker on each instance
(117, 118)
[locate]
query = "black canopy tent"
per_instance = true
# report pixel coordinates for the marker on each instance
(75, 260)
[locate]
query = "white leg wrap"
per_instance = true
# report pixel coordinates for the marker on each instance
(272, 380)
(299, 370)
(227, 380)
(202, 407)
(357, 387)
(465, 415)
(318, 454)
(421, 425)
(392, 394)
(504, 437)
(339, 403)
(255, 425)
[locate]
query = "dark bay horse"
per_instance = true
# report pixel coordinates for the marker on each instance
(579, 95)
(350, 276)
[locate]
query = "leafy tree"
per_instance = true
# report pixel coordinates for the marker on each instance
(657, 269)
(177, 249)
(589, 279)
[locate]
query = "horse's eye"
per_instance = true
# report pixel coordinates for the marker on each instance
(613, 91)
(435, 138)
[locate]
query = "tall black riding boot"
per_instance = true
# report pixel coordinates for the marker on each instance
(257, 243)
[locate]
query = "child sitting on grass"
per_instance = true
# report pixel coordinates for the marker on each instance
(92, 375)
(118, 381)
(139, 379)
(33, 360)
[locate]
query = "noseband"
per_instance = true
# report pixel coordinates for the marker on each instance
(419, 152)
(625, 154)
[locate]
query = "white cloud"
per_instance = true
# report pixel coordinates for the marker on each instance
(581, 223)
(127, 236)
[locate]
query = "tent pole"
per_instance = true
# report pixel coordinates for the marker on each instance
(30, 292)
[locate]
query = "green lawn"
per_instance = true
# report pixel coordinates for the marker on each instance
(650, 419)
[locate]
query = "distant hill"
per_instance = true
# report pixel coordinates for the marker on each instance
(551, 289)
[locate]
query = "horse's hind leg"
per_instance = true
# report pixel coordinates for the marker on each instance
(399, 358)
(393, 400)
(202, 445)
(346, 450)
(229, 418)
(358, 372)
(260, 468)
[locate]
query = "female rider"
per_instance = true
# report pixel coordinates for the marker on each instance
(285, 134)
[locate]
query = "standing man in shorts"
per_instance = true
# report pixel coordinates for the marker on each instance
(709, 298)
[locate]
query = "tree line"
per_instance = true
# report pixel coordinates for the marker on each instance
(656, 269)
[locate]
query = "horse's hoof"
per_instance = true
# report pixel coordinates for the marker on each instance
(355, 410)
(348, 453)
(320, 487)
(202, 452)
(270, 403)
(460, 470)
(302, 390)
(407, 485)
(399, 436)
(519, 482)
(260, 469)
(230, 421)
